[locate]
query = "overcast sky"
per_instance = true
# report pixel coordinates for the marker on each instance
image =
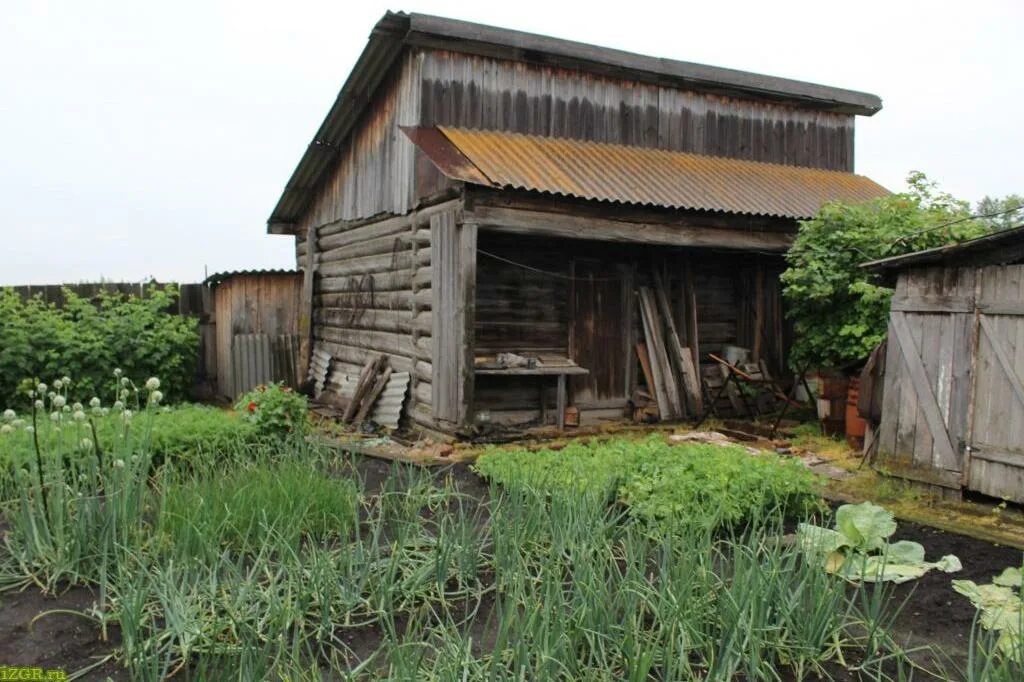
(142, 139)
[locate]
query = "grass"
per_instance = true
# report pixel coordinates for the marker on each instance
(239, 509)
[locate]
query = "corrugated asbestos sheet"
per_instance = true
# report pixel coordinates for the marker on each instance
(262, 359)
(636, 175)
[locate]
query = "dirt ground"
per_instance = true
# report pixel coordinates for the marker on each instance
(933, 614)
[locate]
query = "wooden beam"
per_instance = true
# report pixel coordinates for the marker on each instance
(453, 314)
(519, 221)
(305, 322)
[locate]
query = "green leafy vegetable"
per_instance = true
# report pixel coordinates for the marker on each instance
(858, 548)
(1002, 610)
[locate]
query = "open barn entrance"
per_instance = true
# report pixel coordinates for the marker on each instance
(544, 303)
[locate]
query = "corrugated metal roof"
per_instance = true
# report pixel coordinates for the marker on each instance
(637, 175)
(397, 30)
(219, 277)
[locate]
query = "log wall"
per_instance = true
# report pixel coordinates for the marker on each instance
(372, 294)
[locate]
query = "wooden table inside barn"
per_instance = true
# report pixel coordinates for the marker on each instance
(560, 371)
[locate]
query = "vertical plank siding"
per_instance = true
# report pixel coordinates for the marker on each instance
(265, 305)
(996, 462)
(486, 93)
(953, 405)
(374, 170)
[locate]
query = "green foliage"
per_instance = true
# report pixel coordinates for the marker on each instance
(859, 548)
(1002, 213)
(1002, 610)
(292, 500)
(839, 314)
(183, 435)
(275, 410)
(85, 338)
(669, 485)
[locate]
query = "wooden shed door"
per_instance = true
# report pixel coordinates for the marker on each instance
(599, 331)
(924, 415)
(997, 434)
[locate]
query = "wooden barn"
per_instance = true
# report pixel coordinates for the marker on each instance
(952, 412)
(484, 206)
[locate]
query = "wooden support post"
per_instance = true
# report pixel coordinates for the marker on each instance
(306, 304)
(453, 314)
(561, 401)
(693, 337)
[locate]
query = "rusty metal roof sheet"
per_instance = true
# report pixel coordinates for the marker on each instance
(637, 175)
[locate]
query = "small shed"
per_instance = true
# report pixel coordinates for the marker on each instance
(256, 327)
(953, 401)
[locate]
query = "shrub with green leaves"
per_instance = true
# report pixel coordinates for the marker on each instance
(86, 337)
(839, 313)
(858, 548)
(667, 484)
(275, 410)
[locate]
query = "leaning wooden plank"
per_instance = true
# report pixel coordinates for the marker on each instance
(683, 357)
(665, 387)
(373, 394)
(366, 378)
(656, 385)
(656, 343)
(645, 366)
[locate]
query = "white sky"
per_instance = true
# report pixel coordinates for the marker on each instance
(140, 139)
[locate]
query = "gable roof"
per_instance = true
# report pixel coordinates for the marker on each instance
(641, 176)
(396, 30)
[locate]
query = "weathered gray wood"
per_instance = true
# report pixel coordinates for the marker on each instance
(387, 262)
(385, 342)
(366, 283)
(378, 300)
(549, 370)
(660, 363)
(366, 319)
(453, 266)
(305, 324)
(690, 381)
(1003, 358)
(372, 247)
(932, 305)
(367, 379)
(371, 396)
(518, 221)
(561, 400)
(945, 454)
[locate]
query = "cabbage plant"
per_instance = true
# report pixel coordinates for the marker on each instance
(1002, 610)
(858, 548)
